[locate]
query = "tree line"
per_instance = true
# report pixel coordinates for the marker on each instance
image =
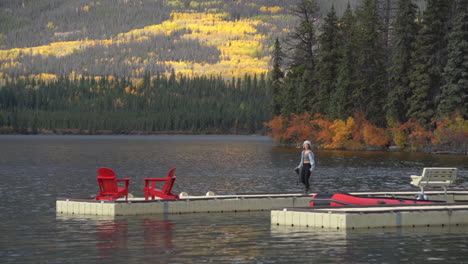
(152, 104)
(352, 64)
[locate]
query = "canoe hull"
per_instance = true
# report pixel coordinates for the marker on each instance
(342, 199)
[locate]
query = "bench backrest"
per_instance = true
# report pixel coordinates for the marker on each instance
(439, 174)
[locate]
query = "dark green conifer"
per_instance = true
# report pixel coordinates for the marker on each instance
(369, 93)
(327, 65)
(342, 106)
(405, 29)
(306, 97)
(303, 37)
(454, 94)
(276, 77)
(291, 99)
(429, 60)
(301, 80)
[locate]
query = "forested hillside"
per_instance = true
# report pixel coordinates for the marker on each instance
(127, 38)
(375, 77)
(351, 74)
(152, 105)
(130, 37)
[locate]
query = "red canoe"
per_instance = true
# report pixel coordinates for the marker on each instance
(340, 199)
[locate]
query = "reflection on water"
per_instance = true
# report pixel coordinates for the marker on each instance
(249, 238)
(391, 245)
(111, 236)
(219, 238)
(35, 170)
(157, 237)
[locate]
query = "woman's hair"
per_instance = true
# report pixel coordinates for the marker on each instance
(308, 143)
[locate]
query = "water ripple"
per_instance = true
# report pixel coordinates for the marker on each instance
(35, 170)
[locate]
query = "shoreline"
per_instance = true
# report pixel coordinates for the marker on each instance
(78, 132)
(104, 132)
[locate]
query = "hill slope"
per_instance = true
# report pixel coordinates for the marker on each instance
(129, 37)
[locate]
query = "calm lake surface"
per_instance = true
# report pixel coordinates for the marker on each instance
(35, 170)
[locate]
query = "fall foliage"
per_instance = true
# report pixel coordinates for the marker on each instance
(240, 44)
(357, 133)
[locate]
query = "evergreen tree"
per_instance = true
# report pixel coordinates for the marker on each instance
(342, 106)
(276, 76)
(369, 94)
(405, 29)
(303, 37)
(290, 95)
(306, 97)
(300, 82)
(164, 103)
(454, 94)
(327, 65)
(428, 61)
(389, 10)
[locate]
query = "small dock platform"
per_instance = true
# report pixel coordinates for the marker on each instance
(353, 217)
(452, 212)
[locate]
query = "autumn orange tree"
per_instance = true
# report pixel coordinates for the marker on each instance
(451, 133)
(357, 133)
(353, 133)
(411, 135)
(278, 126)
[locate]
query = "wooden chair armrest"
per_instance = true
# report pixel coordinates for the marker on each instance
(126, 180)
(156, 179)
(151, 182)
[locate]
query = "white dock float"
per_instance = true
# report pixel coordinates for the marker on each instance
(218, 203)
(190, 204)
(378, 216)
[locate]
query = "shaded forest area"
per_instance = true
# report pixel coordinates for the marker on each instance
(368, 79)
(118, 106)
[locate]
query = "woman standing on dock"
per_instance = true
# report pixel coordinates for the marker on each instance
(307, 164)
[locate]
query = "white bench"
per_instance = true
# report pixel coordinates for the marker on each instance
(435, 177)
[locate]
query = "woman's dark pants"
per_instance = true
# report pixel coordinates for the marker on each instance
(305, 175)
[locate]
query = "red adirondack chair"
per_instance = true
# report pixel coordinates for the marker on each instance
(164, 193)
(108, 185)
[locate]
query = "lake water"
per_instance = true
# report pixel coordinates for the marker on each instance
(35, 170)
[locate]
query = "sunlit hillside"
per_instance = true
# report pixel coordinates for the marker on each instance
(194, 38)
(131, 37)
(237, 47)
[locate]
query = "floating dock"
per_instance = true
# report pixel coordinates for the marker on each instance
(189, 204)
(218, 203)
(453, 213)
